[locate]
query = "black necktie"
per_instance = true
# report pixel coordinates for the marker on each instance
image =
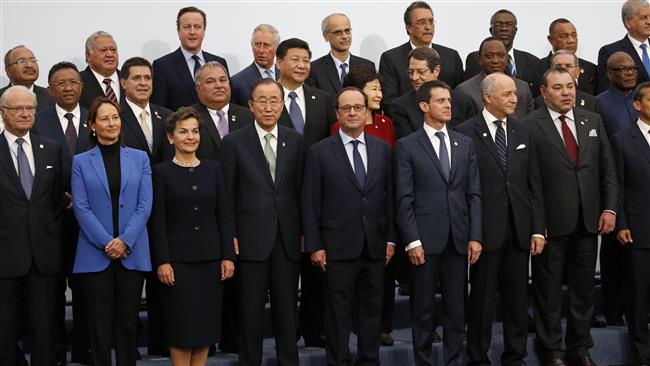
(197, 63)
(500, 141)
(359, 168)
(443, 154)
(70, 134)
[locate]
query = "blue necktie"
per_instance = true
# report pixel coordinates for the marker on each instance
(269, 74)
(296, 113)
(359, 168)
(512, 68)
(24, 171)
(344, 71)
(443, 155)
(500, 141)
(645, 58)
(197, 63)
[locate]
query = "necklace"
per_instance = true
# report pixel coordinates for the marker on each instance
(192, 164)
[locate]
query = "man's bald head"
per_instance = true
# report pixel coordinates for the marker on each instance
(622, 72)
(499, 94)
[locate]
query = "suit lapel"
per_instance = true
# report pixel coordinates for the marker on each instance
(332, 72)
(583, 126)
(132, 123)
(484, 135)
(413, 110)
(640, 142)
(183, 72)
(158, 129)
(210, 126)
(234, 119)
(125, 168)
(311, 104)
(423, 139)
(82, 136)
(371, 169)
(631, 50)
(548, 126)
(281, 155)
(8, 163)
(91, 83)
(55, 127)
(257, 153)
(342, 157)
(454, 151)
(98, 164)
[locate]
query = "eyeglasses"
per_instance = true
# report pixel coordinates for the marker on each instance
(19, 110)
(340, 32)
(423, 22)
(274, 103)
(624, 70)
(64, 83)
(348, 108)
(504, 24)
(421, 72)
(24, 61)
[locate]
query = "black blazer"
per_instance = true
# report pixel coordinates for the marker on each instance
(590, 188)
(30, 228)
(528, 68)
(210, 145)
(518, 188)
(407, 116)
(173, 84)
(319, 115)
(584, 100)
(264, 210)
(242, 82)
(586, 80)
(92, 89)
(605, 51)
(43, 98)
(190, 225)
(341, 216)
(133, 136)
(325, 76)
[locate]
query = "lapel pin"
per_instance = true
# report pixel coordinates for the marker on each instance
(313, 97)
(233, 118)
(376, 127)
(41, 146)
(383, 120)
(582, 102)
(283, 144)
(484, 134)
(157, 115)
(85, 125)
(582, 122)
(455, 143)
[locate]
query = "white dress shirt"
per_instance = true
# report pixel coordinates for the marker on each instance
(27, 147)
(637, 46)
(338, 64)
(190, 61)
(300, 92)
(349, 148)
(570, 121)
(263, 71)
(645, 130)
(215, 116)
(115, 82)
(76, 117)
(274, 141)
(492, 127)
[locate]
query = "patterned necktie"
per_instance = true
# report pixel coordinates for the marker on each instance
(197, 64)
(500, 141)
(145, 128)
(296, 113)
(443, 155)
(269, 74)
(512, 68)
(222, 124)
(569, 141)
(110, 93)
(269, 154)
(344, 71)
(645, 58)
(24, 171)
(359, 168)
(70, 134)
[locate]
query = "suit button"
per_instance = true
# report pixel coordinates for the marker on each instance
(197, 228)
(196, 208)
(191, 170)
(194, 188)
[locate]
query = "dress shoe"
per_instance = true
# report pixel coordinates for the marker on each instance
(385, 339)
(318, 342)
(229, 347)
(81, 357)
(597, 323)
(581, 361)
(158, 351)
(555, 361)
(531, 325)
(404, 289)
(435, 338)
(615, 322)
(212, 350)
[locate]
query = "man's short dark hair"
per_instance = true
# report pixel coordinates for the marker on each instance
(639, 91)
(190, 9)
(181, 114)
(554, 70)
(551, 28)
(488, 39)
(347, 89)
(8, 54)
(414, 5)
(360, 75)
(424, 93)
(134, 61)
(61, 66)
(266, 81)
(285, 45)
(502, 11)
(427, 54)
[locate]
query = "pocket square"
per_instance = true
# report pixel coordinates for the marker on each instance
(49, 166)
(593, 133)
(521, 146)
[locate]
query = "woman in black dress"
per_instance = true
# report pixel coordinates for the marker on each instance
(192, 246)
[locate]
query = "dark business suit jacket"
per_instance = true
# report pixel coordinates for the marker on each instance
(43, 98)
(590, 188)
(264, 210)
(518, 188)
(319, 115)
(407, 116)
(605, 51)
(173, 84)
(617, 110)
(210, 145)
(325, 76)
(133, 136)
(393, 67)
(92, 89)
(242, 82)
(30, 228)
(587, 79)
(430, 208)
(584, 100)
(472, 88)
(527, 65)
(339, 215)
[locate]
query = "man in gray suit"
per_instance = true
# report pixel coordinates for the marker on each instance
(493, 57)
(21, 67)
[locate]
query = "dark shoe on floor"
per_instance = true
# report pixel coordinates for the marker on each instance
(158, 351)
(385, 339)
(556, 361)
(435, 338)
(597, 323)
(229, 347)
(318, 342)
(531, 325)
(404, 289)
(81, 357)
(616, 322)
(581, 361)
(212, 350)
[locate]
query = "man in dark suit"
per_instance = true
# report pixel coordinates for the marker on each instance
(21, 67)
(65, 122)
(264, 42)
(562, 35)
(636, 19)
(424, 65)
(494, 58)
(393, 64)
(513, 222)
(519, 64)
(328, 72)
(439, 216)
(174, 73)
(263, 169)
(101, 77)
(31, 193)
(631, 150)
(579, 184)
(347, 202)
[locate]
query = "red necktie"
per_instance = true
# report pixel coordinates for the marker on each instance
(569, 141)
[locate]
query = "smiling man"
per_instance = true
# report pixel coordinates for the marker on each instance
(21, 67)
(101, 77)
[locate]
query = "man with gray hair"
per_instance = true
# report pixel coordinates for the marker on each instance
(264, 42)
(635, 15)
(101, 77)
(328, 72)
(21, 67)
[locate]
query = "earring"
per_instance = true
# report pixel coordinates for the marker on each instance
(94, 134)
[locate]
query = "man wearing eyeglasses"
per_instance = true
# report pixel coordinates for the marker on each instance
(101, 77)
(21, 67)
(328, 72)
(347, 202)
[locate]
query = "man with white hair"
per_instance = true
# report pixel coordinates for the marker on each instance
(101, 77)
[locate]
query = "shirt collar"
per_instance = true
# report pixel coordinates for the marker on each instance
(262, 132)
(637, 44)
(299, 91)
(338, 62)
(115, 80)
(555, 115)
(263, 70)
(489, 118)
(188, 55)
(431, 132)
(11, 138)
(31, 87)
(137, 109)
(413, 46)
(76, 112)
(224, 109)
(643, 126)
(347, 139)
(511, 53)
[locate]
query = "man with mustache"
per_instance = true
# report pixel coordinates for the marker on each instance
(21, 67)
(101, 77)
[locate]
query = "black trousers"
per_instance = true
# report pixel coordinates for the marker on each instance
(279, 275)
(637, 288)
(230, 313)
(612, 266)
(32, 295)
(312, 299)
(450, 268)
(388, 303)
(155, 329)
(577, 253)
(112, 297)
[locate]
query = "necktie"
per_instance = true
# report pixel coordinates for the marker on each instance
(512, 69)
(222, 124)
(443, 155)
(645, 58)
(145, 128)
(500, 141)
(296, 113)
(359, 168)
(569, 141)
(110, 93)
(197, 64)
(70, 134)
(344, 71)
(24, 171)
(269, 74)
(269, 154)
